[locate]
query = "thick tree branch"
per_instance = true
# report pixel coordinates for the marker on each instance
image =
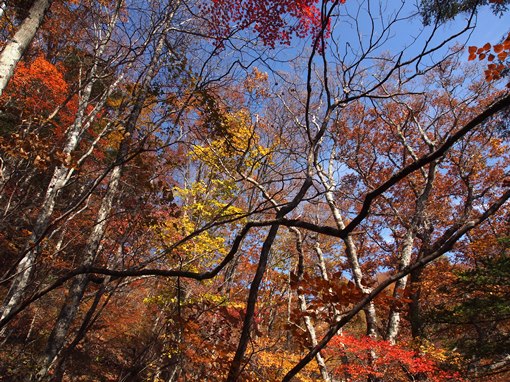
(490, 111)
(442, 248)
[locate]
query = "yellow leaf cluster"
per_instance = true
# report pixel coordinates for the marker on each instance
(238, 148)
(439, 355)
(277, 363)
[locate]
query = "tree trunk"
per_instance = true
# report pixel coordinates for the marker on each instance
(70, 307)
(351, 251)
(418, 223)
(352, 255)
(414, 306)
(303, 305)
(61, 175)
(400, 285)
(15, 49)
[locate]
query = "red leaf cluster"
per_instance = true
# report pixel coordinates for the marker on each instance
(372, 357)
(274, 21)
(500, 52)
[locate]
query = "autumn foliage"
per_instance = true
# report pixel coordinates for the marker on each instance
(497, 56)
(392, 362)
(253, 190)
(269, 19)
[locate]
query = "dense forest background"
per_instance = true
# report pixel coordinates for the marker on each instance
(254, 190)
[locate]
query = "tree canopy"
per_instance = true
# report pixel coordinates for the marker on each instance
(239, 190)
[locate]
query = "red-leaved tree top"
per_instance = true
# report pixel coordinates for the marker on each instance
(275, 21)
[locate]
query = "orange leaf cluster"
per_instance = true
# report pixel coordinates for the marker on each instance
(500, 52)
(40, 85)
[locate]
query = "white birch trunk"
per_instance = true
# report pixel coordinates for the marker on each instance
(59, 180)
(351, 251)
(303, 307)
(417, 223)
(2, 8)
(405, 260)
(60, 177)
(15, 49)
(70, 307)
(352, 254)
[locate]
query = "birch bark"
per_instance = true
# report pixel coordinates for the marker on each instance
(418, 222)
(61, 176)
(15, 49)
(70, 307)
(303, 306)
(350, 248)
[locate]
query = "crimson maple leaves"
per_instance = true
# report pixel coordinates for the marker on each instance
(178, 203)
(268, 18)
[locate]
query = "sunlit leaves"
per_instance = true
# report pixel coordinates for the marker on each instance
(39, 86)
(496, 55)
(268, 18)
(391, 363)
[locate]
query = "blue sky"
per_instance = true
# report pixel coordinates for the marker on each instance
(489, 28)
